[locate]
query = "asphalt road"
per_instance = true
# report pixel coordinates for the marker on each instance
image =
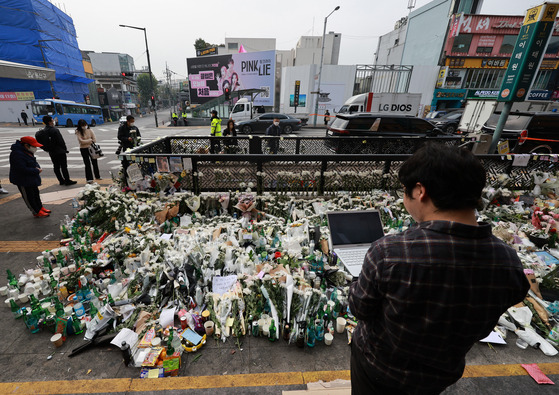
(106, 138)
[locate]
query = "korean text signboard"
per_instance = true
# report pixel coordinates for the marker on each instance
(210, 75)
(528, 52)
(296, 93)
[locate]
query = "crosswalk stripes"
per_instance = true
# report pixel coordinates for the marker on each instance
(75, 160)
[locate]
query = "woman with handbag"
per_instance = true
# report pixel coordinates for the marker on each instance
(86, 138)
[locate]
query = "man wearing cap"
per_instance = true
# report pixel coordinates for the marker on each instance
(53, 142)
(25, 174)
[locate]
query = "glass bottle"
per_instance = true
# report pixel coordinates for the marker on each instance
(12, 280)
(311, 336)
(319, 329)
(170, 348)
(286, 332)
(126, 353)
(301, 337)
(76, 324)
(15, 309)
(273, 330)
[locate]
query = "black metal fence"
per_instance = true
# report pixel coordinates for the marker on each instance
(306, 165)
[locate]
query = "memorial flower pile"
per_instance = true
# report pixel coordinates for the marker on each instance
(167, 272)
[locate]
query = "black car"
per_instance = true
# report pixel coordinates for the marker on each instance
(262, 122)
(528, 132)
(449, 122)
(375, 125)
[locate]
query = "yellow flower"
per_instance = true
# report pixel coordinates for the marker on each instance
(127, 229)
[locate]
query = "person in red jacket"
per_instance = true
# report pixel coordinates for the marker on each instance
(25, 174)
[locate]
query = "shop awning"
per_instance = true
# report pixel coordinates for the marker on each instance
(22, 71)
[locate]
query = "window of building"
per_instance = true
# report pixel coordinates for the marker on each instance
(484, 49)
(462, 43)
(484, 78)
(508, 43)
(232, 45)
(542, 79)
(553, 46)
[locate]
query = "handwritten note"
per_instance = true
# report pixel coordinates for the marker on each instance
(221, 285)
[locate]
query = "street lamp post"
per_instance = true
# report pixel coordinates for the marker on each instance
(320, 70)
(149, 69)
(45, 62)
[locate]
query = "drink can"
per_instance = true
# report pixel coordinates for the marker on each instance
(184, 324)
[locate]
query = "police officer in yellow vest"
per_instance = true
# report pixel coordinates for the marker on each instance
(184, 118)
(175, 118)
(215, 146)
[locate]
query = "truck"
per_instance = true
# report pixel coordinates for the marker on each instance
(245, 110)
(389, 103)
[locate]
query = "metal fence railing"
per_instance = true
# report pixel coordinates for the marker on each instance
(306, 165)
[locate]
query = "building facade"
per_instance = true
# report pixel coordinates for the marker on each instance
(37, 33)
(308, 49)
(476, 56)
(108, 69)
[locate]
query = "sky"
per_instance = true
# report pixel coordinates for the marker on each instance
(173, 26)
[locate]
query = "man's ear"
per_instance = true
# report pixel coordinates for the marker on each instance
(422, 194)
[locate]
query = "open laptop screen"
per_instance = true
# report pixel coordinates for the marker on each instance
(354, 227)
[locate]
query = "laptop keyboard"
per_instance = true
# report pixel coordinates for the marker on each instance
(352, 256)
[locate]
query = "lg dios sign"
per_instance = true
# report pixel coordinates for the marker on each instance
(395, 107)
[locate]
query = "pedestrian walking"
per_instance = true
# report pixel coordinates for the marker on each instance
(129, 136)
(24, 117)
(53, 143)
(231, 144)
(215, 144)
(326, 118)
(426, 295)
(25, 174)
(86, 137)
(274, 130)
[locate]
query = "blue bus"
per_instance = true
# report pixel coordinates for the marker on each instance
(66, 113)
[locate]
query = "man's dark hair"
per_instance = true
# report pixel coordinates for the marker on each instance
(47, 119)
(129, 118)
(453, 177)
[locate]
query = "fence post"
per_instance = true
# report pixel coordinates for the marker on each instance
(259, 180)
(321, 180)
(255, 145)
(297, 146)
(195, 184)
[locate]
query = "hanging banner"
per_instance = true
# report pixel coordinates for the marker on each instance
(210, 75)
(528, 52)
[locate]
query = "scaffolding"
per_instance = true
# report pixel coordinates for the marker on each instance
(386, 79)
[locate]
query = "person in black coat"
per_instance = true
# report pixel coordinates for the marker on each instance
(25, 174)
(274, 130)
(230, 142)
(129, 137)
(53, 143)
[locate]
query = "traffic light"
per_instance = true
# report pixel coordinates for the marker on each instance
(127, 74)
(227, 94)
(153, 101)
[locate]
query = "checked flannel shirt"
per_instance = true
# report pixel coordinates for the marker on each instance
(426, 295)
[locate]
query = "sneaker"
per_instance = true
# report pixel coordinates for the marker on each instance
(98, 178)
(3, 191)
(45, 210)
(90, 181)
(41, 214)
(70, 182)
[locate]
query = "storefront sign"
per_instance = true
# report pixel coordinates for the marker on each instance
(441, 78)
(206, 51)
(455, 24)
(501, 63)
(549, 64)
(14, 96)
(482, 94)
(539, 94)
(476, 63)
(450, 94)
(528, 52)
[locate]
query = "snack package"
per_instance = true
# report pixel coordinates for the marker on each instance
(151, 373)
(153, 356)
(171, 366)
(146, 340)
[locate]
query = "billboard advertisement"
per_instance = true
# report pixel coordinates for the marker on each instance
(210, 75)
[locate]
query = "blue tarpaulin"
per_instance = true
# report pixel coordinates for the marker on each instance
(28, 25)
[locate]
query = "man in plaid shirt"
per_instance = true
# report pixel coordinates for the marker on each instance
(426, 295)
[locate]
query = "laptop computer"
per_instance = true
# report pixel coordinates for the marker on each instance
(352, 233)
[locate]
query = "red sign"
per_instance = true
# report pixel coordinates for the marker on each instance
(8, 96)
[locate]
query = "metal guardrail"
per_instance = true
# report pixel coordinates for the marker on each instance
(304, 173)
